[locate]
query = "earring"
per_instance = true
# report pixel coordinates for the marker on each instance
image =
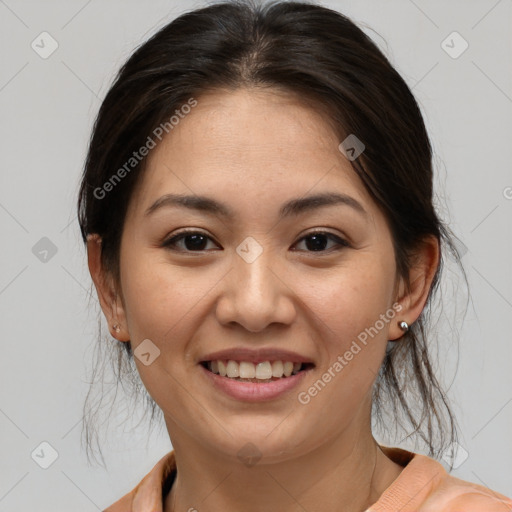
(116, 328)
(403, 325)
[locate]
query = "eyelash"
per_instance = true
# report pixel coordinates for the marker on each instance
(170, 242)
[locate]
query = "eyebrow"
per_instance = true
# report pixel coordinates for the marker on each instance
(291, 208)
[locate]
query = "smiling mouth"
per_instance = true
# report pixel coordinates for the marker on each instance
(246, 371)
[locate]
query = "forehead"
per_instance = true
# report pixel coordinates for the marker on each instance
(246, 121)
(265, 143)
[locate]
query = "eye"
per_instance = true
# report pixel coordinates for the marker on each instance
(194, 241)
(316, 241)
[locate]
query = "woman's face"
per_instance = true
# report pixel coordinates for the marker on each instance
(253, 285)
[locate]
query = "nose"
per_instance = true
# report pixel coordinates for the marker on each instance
(256, 294)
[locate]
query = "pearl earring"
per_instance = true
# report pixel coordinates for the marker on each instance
(403, 325)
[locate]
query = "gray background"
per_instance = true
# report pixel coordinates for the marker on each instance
(47, 108)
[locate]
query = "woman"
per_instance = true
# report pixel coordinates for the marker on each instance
(257, 208)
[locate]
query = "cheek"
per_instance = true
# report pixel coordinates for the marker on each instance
(158, 296)
(350, 299)
(353, 306)
(350, 319)
(159, 305)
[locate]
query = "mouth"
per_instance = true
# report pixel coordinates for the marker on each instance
(261, 372)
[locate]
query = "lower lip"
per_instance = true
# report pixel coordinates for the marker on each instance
(252, 391)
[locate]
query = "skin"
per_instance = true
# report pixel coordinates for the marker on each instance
(254, 150)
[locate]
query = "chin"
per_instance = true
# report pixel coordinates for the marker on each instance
(266, 444)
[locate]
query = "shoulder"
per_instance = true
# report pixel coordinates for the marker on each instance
(147, 495)
(425, 486)
(456, 495)
(122, 505)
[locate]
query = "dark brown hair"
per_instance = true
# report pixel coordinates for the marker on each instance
(324, 58)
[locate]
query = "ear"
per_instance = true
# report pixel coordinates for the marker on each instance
(421, 274)
(110, 301)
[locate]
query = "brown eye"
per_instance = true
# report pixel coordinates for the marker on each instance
(196, 241)
(316, 241)
(193, 241)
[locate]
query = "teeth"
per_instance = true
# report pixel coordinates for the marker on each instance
(247, 370)
(232, 369)
(263, 371)
(277, 369)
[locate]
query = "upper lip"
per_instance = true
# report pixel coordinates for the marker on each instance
(256, 355)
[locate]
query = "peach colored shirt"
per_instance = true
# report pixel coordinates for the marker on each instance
(422, 486)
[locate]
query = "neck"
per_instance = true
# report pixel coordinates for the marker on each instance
(350, 472)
